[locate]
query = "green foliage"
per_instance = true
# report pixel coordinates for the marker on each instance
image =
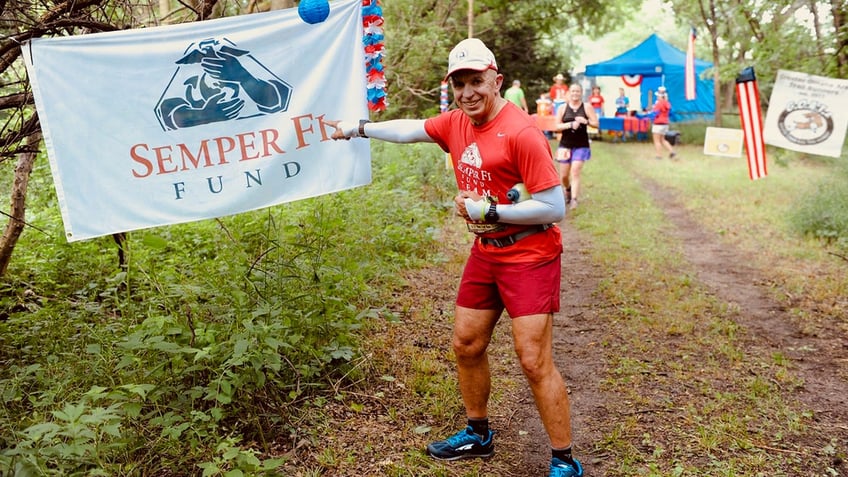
(823, 211)
(206, 348)
(531, 40)
(735, 34)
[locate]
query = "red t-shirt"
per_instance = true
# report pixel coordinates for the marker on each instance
(662, 107)
(559, 92)
(490, 159)
(597, 101)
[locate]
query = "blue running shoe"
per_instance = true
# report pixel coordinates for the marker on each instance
(561, 469)
(465, 444)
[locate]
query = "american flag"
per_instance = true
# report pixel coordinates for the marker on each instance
(690, 67)
(748, 97)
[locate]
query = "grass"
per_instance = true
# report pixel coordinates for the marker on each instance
(210, 347)
(759, 216)
(739, 408)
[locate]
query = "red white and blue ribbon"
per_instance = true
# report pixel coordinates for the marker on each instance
(374, 42)
(632, 80)
(748, 97)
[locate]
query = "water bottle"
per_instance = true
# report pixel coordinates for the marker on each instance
(518, 193)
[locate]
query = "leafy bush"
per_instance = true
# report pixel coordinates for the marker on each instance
(823, 212)
(208, 345)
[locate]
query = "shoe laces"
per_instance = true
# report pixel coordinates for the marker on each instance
(463, 436)
(561, 468)
(460, 437)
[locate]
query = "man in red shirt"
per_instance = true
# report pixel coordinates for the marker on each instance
(515, 261)
(559, 93)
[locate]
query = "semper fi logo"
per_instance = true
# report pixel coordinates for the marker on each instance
(216, 82)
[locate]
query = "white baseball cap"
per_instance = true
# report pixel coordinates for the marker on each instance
(471, 54)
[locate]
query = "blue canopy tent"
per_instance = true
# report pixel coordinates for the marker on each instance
(658, 63)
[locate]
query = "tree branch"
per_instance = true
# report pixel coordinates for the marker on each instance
(16, 100)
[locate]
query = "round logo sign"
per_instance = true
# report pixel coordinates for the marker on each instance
(805, 122)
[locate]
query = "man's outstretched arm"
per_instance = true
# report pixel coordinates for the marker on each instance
(397, 130)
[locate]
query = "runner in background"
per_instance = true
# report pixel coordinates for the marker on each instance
(661, 112)
(515, 95)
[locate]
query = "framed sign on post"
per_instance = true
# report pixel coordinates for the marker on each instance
(724, 142)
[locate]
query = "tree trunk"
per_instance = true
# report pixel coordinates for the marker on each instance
(840, 24)
(17, 213)
(717, 118)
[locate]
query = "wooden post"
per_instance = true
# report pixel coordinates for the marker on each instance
(470, 18)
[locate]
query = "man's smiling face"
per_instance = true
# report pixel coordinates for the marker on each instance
(477, 93)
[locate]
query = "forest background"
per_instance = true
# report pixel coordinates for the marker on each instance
(203, 346)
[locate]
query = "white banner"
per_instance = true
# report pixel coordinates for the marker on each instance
(807, 113)
(179, 123)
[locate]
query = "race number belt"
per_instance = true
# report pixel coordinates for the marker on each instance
(501, 242)
(484, 228)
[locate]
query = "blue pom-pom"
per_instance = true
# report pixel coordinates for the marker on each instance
(313, 11)
(372, 9)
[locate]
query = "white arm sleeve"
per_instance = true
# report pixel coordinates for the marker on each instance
(544, 207)
(397, 130)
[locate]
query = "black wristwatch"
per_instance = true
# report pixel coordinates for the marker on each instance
(492, 213)
(362, 123)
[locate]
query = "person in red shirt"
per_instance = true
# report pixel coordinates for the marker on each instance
(515, 260)
(559, 92)
(597, 101)
(661, 112)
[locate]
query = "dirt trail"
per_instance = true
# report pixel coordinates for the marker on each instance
(723, 270)
(579, 358)
(583, 334)
(818, 358)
